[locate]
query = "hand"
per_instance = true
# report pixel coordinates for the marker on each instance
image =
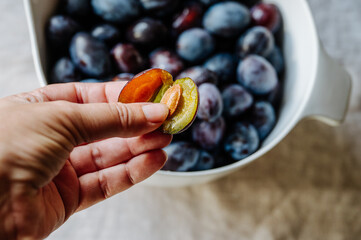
(66, 147)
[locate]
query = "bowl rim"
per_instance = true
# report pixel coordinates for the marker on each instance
(34, 43)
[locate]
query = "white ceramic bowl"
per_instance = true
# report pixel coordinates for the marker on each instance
(315, 86)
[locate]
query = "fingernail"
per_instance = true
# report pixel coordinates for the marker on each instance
(155, 113)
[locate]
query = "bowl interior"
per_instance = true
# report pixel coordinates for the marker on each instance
(301, 48)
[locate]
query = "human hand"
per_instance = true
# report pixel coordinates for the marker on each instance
(66, 147)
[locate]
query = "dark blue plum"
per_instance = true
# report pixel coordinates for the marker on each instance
(257, 40)
(263, 117)
(147, 32)
(64, 71)
(226, 19)
(243, 142)
(195, 44)
(209, 134)
(123, 77)
(60, 30)
(182, 157)
(210, 102)
(199, 75)
(166, 59)
(77, 8)
(117, 11)
(277, 60)
(127, 58)
(90, 80)
(224, 65)
(257, 75)
(106, 33)
(205, 162)
(90, 55)
(236, 100)
(159, 7)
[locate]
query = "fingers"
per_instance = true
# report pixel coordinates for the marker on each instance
(104, 154)
(91, 122)
(100, 185)
(74, 92)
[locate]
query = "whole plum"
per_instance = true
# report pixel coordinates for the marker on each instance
(237, 100)
(64, 72)
(90, 55)
(210, 102)
(106, 33)
(224, 65)
(159, 7)
(226, 19)
(263, 117)
(189, 17)
(243, 142)
(182, 157)
(205, 162)
(199, 75)
(147, 32)
(209, 134)
(128, 58)
(60, 30)
(166, 59)
(257, 75)
(267, 15)
(195, 44)
(257, 40)
(117, 11)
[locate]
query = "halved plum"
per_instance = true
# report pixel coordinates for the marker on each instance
(157, 86)
(145, 86)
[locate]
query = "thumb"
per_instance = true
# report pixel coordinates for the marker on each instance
(97, 121)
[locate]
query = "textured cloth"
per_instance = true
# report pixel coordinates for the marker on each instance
(308, 187)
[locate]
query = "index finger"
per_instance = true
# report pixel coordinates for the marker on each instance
(76, 93)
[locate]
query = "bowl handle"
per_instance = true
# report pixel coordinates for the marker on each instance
(331, 93)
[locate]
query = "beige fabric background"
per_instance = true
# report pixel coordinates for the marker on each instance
(308, 187)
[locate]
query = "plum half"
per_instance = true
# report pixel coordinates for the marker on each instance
(157, 86)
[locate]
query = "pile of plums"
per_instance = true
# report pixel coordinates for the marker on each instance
(230, 49)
